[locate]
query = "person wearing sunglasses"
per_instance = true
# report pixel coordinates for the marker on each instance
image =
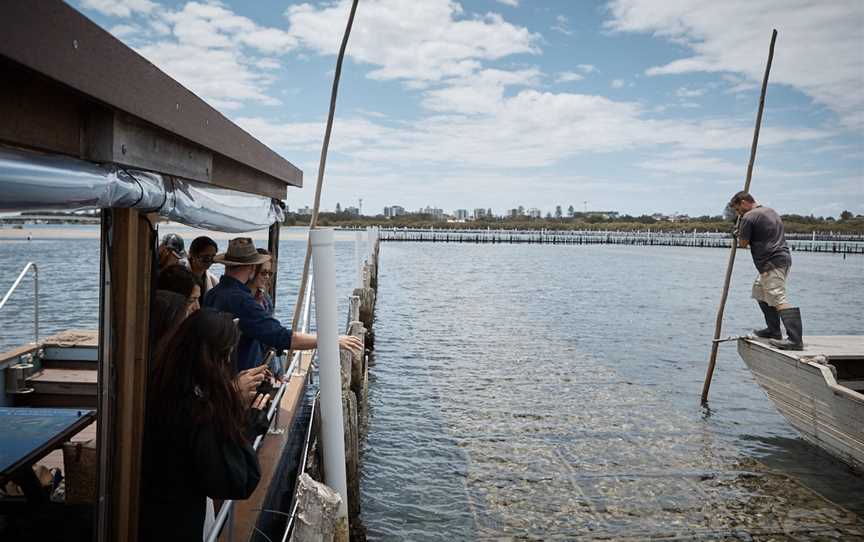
(259, 284)
(258, 328)
(201, 253)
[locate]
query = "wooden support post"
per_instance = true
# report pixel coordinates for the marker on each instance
(318, 507)
(273, 247)
(124, 371)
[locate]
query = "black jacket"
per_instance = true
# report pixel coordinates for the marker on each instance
(182, 465)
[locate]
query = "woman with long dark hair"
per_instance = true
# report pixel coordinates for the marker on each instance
(198, 434)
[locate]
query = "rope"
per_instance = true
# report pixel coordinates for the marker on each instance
(321, 165)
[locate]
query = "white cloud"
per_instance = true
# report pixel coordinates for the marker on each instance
(587, 68)
(567, 77)
(562, 25)
(482, 92)
(417, 42)
(225, 58)
(818, 47)
(119, 8)
(528, 129)
(617, 83)
(121, 31)
(511, 3)
(685, 92)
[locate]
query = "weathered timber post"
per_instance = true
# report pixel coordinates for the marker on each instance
(318, 510)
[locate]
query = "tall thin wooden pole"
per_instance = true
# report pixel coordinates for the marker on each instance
(718, 324)
(313, 223)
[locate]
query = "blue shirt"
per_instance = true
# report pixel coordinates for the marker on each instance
(256, 326)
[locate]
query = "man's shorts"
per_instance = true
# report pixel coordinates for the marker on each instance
(770, 286)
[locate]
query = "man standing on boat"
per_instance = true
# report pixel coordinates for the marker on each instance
(761, 229)
(232, 295)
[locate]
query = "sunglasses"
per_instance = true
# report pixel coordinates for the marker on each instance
(266, 273)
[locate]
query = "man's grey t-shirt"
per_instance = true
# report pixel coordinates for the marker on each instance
(762, 227)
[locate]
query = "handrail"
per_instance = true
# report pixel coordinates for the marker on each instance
(227, 509)
(35, 296)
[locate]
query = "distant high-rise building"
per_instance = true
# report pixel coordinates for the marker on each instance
(437, 214)
(479, 213)
(353, 211)
(534, 212)
(461, 214)
(393, 211)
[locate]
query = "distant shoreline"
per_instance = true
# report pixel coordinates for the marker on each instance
(42, 232)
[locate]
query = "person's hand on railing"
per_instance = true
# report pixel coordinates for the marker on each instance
(349, 342)
(248, 381)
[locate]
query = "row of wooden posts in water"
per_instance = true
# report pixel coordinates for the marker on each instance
(839, 244)
(317, 505)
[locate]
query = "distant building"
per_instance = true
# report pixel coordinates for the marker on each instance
(304, 211)
(353, 211)
(513, 213)
(437, 214)
(461, 214)
(534, 212)
(393, 211)
(479, 213)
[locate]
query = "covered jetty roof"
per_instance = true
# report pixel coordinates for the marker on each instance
(69, 87)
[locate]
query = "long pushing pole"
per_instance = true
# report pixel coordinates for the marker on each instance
(322, 162)
(718, 324)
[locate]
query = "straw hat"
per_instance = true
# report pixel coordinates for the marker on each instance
(241, 251)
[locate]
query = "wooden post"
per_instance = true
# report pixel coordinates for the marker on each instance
(718, 324)
(123, 371)
(318, 507)
(273, 247)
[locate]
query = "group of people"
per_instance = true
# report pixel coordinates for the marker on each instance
(204, 400)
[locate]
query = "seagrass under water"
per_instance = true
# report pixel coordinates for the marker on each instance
(544, 392)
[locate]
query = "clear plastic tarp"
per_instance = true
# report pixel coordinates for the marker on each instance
(40, 182)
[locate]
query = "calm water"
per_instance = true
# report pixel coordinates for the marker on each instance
(551, 392)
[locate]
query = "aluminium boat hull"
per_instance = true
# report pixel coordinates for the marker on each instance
(818, 390)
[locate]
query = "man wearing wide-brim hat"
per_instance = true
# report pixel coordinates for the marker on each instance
(241, 262)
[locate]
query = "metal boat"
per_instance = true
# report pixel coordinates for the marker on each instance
(819, 390)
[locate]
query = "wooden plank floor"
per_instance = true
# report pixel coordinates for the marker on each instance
(832, 346)
(270, 453)
(65, 381)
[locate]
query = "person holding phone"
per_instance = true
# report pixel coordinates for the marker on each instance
(199, 431)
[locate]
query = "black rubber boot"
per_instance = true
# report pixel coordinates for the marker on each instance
(794, 330)
(772, 320)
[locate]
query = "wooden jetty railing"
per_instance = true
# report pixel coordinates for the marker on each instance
(838, 244)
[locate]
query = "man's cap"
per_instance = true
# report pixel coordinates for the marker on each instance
(175, 244)
(241, 251)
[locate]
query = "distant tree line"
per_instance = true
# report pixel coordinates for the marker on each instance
(847, 223)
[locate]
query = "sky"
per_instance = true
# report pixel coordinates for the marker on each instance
(636, 106)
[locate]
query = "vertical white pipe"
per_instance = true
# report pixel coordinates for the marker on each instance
(358, 257)
(332, 424)
(368, 238)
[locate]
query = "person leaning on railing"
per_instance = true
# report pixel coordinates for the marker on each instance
(199, 431)
(257, 327)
